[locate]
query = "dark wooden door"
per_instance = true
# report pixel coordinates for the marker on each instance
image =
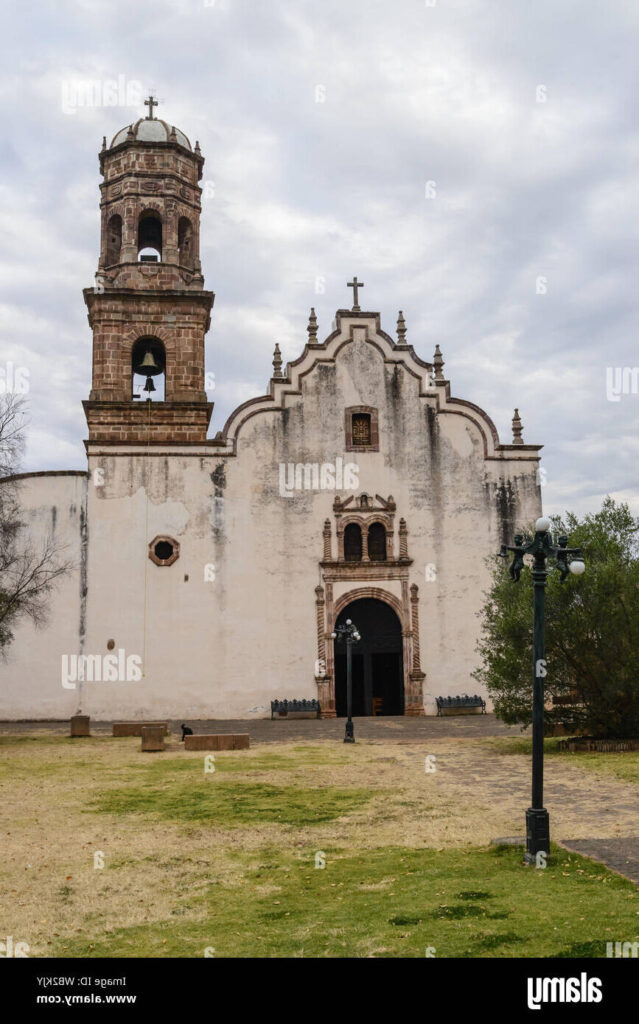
(378, 678)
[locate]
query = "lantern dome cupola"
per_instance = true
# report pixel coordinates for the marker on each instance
(150, 129)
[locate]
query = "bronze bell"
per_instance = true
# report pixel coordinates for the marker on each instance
(148, 365)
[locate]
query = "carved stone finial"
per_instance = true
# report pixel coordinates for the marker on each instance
(312, 327)
(438, 364)
(104, 145)
(197, 147)
(401, 329)
(517, 428)
(277, 363)
(130, 134)
(172, 135)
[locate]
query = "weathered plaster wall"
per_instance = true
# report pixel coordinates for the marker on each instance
(54, 505)
(232, 623)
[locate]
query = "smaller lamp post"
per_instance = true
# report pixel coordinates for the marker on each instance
(349, 635)
(541, 548)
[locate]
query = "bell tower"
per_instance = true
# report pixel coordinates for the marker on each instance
(148, 310)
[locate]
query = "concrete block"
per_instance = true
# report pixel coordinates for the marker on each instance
(152, 737)
(80, 725)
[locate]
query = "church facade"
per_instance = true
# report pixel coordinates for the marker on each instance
(210, 572)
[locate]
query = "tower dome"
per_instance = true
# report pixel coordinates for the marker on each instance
(150, 129)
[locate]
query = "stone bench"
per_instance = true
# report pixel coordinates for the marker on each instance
(217, 741)
(135, 728)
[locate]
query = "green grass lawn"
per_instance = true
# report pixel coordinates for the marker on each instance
(229, 804)
(389, 903)
(385, 902)
(306, 850)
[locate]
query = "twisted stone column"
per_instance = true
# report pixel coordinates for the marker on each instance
(327, 540)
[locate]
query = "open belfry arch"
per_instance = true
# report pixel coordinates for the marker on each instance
(224, 558)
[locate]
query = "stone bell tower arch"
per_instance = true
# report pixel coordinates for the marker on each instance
(149, 293)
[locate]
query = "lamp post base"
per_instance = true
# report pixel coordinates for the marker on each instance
(348, 733)
(537, 834)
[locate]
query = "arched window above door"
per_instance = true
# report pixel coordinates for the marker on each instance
(353, 543)
(377, 542)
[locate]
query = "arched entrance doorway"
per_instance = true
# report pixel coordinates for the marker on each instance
(378, 672)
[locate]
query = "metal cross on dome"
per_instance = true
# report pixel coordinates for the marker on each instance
(150, 103)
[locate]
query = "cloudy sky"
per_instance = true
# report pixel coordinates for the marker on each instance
(473, 162)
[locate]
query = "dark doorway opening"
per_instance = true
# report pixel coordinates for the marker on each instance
(378, 672)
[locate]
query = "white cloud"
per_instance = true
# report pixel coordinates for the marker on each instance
(326, 184)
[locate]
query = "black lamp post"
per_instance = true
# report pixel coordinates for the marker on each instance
(541, 548)
(349, 635)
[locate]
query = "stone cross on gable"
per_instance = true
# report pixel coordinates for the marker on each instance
(150, 103)
(355, 284)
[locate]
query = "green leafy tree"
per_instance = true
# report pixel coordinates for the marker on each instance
(592, 632)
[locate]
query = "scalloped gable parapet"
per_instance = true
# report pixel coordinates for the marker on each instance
(352, 325)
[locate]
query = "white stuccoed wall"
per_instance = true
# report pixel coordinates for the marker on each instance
(226, 648)
(54, 505)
